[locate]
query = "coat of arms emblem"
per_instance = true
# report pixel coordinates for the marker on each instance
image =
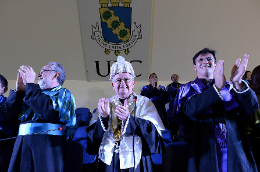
(116, 33)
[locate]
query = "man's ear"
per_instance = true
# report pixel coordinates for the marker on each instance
(133, 83)
(5, 89)
(56, 75)
(114, 88)
(194, 67)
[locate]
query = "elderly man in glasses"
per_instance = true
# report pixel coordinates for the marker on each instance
(41, 109)
(127, 128)
(210, 111)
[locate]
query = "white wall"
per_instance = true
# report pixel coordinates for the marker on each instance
(182, 28)
(34, 32)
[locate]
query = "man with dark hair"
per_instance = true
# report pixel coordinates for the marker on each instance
(210, 113)
(6, 130)
(42, 109)
(247, 76)
(204, 51)
(3, 89)
(173, 87)
(158, 95)
(3, 86)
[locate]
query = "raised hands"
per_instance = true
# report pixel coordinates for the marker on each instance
(103, 107)
(238, 71)
(27, 74)
(219, 75)
(122, 112)
(19, 83)
(154, 82)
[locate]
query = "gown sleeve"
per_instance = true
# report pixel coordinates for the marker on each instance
(40, 103)
(201, 102)
(95, 134)
(148, 132)
(12, 107)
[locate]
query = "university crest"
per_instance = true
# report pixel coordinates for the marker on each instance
(115, 33)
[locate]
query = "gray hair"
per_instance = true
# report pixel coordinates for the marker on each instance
(60, 69)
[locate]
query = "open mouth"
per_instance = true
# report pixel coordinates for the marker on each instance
(204, 66)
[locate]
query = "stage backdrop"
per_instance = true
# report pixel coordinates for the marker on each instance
(112, 28)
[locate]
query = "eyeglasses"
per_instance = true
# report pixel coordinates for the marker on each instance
(45, 70)
(119, 80)
(200, 60)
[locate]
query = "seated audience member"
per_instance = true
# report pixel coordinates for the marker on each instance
(210, 113)
(127, 128)
(158, 95)
(252, 124)
(247, 77)
(41, 107)
(6, 130)
(173, 87)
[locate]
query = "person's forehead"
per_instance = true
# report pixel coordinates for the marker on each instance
(153, 75)
(122, 75)
(46, 67)
(174, 75)
(205, 55)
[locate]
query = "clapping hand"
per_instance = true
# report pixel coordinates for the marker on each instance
(219, 75)
(122, 112)
(19, 83)
(103, 107)
(27, 74)
(238, 71)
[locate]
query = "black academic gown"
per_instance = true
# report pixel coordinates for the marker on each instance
(6, 144)
(159, 97)
(197, 127)
(252, 128)
(35, 153)
(151, 140)
(172, 89)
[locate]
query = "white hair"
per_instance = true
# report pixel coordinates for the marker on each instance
(121, 66)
